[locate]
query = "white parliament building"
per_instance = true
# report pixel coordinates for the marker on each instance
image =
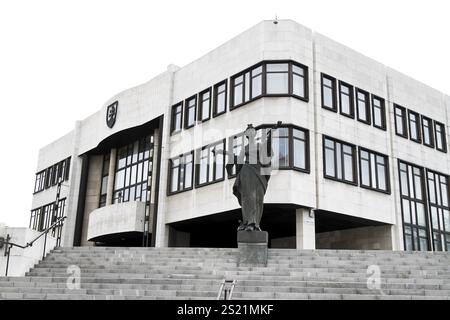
(362, 154)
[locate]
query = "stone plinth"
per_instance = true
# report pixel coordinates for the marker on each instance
(252, 247)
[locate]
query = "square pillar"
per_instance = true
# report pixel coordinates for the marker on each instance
(305, 229)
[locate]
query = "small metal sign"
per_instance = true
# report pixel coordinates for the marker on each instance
(111, 114)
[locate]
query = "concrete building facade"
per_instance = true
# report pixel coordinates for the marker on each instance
(360, 162)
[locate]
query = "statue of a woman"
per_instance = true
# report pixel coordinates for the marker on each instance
(253, 167)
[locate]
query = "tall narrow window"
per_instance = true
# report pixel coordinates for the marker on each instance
(374, 170)
(277, 78)
(339, 160)
(211, 167)
(428, 132)
(204, 105)
(414, 126)
(181, 170)
(378, 113)
(441, 141)
(413, 207)
(438, 195)
(177, 118)
(401, 123)
(329, 93)
(236, 143)
(190, 112)
(104, 182)
(237, 90)
(299, 82)
(300, 149)
(280, 147)
(346, 99)
(256, 82)
(363, 106)
(220, 98)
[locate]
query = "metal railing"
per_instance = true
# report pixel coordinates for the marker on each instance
(227, 287)
(57, 226)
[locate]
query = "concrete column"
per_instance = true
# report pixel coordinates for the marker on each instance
(111, 172)
(305, 229)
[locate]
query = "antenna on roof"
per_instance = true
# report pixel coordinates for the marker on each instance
(276, 20)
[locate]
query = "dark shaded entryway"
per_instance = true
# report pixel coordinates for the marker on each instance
(220, 230)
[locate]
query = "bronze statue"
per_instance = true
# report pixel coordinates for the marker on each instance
(253, 168)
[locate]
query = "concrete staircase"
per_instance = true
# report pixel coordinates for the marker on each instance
(196, 273)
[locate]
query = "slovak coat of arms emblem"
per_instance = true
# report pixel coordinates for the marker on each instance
(111, 114)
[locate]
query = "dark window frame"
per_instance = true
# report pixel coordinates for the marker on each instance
(198, 164)
(418, 126)
(215, 96)
(183, 163)
(382, 111)
(187, 108)
(440, 207)
(291, 139)
(430, 131)
(443, 134)
(122, 194)
(50, 176)
(333, 91)
(174, 130)
(404, 121)
(351, 99)
(386, 171)
(354, 161)
(414, 227)
(200, 104)
(105, 173)
(264, 93)
(367, 106)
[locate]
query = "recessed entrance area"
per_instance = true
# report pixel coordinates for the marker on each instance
(340, 231)
(220, 230)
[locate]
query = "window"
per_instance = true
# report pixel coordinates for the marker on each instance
(236, 143)
(246, 86)
(413, 207)
(363, 105)
(346, 99)
(52, 175)
(211, 166)
(277, 78)
(374, 170)
(441, 141)
(400, 121)
(438, 195)
(378, 112)
(190, 112)
(133, 171)
(220, 98)
(181, 173)
(39, 183)
(177, 117)
(104, 182)
(256, 87)
(299, 83)
(414, 126)
(428, 133)
(339, 160)
(329, 93)
(43, 217)
(300, 140)
(204, 112)
(289, 144)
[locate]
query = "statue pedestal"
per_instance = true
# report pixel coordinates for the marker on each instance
(252, 247)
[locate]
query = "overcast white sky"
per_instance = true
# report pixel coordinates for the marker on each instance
(60, 60)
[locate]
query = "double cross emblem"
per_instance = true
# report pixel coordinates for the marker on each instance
(111, 114)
